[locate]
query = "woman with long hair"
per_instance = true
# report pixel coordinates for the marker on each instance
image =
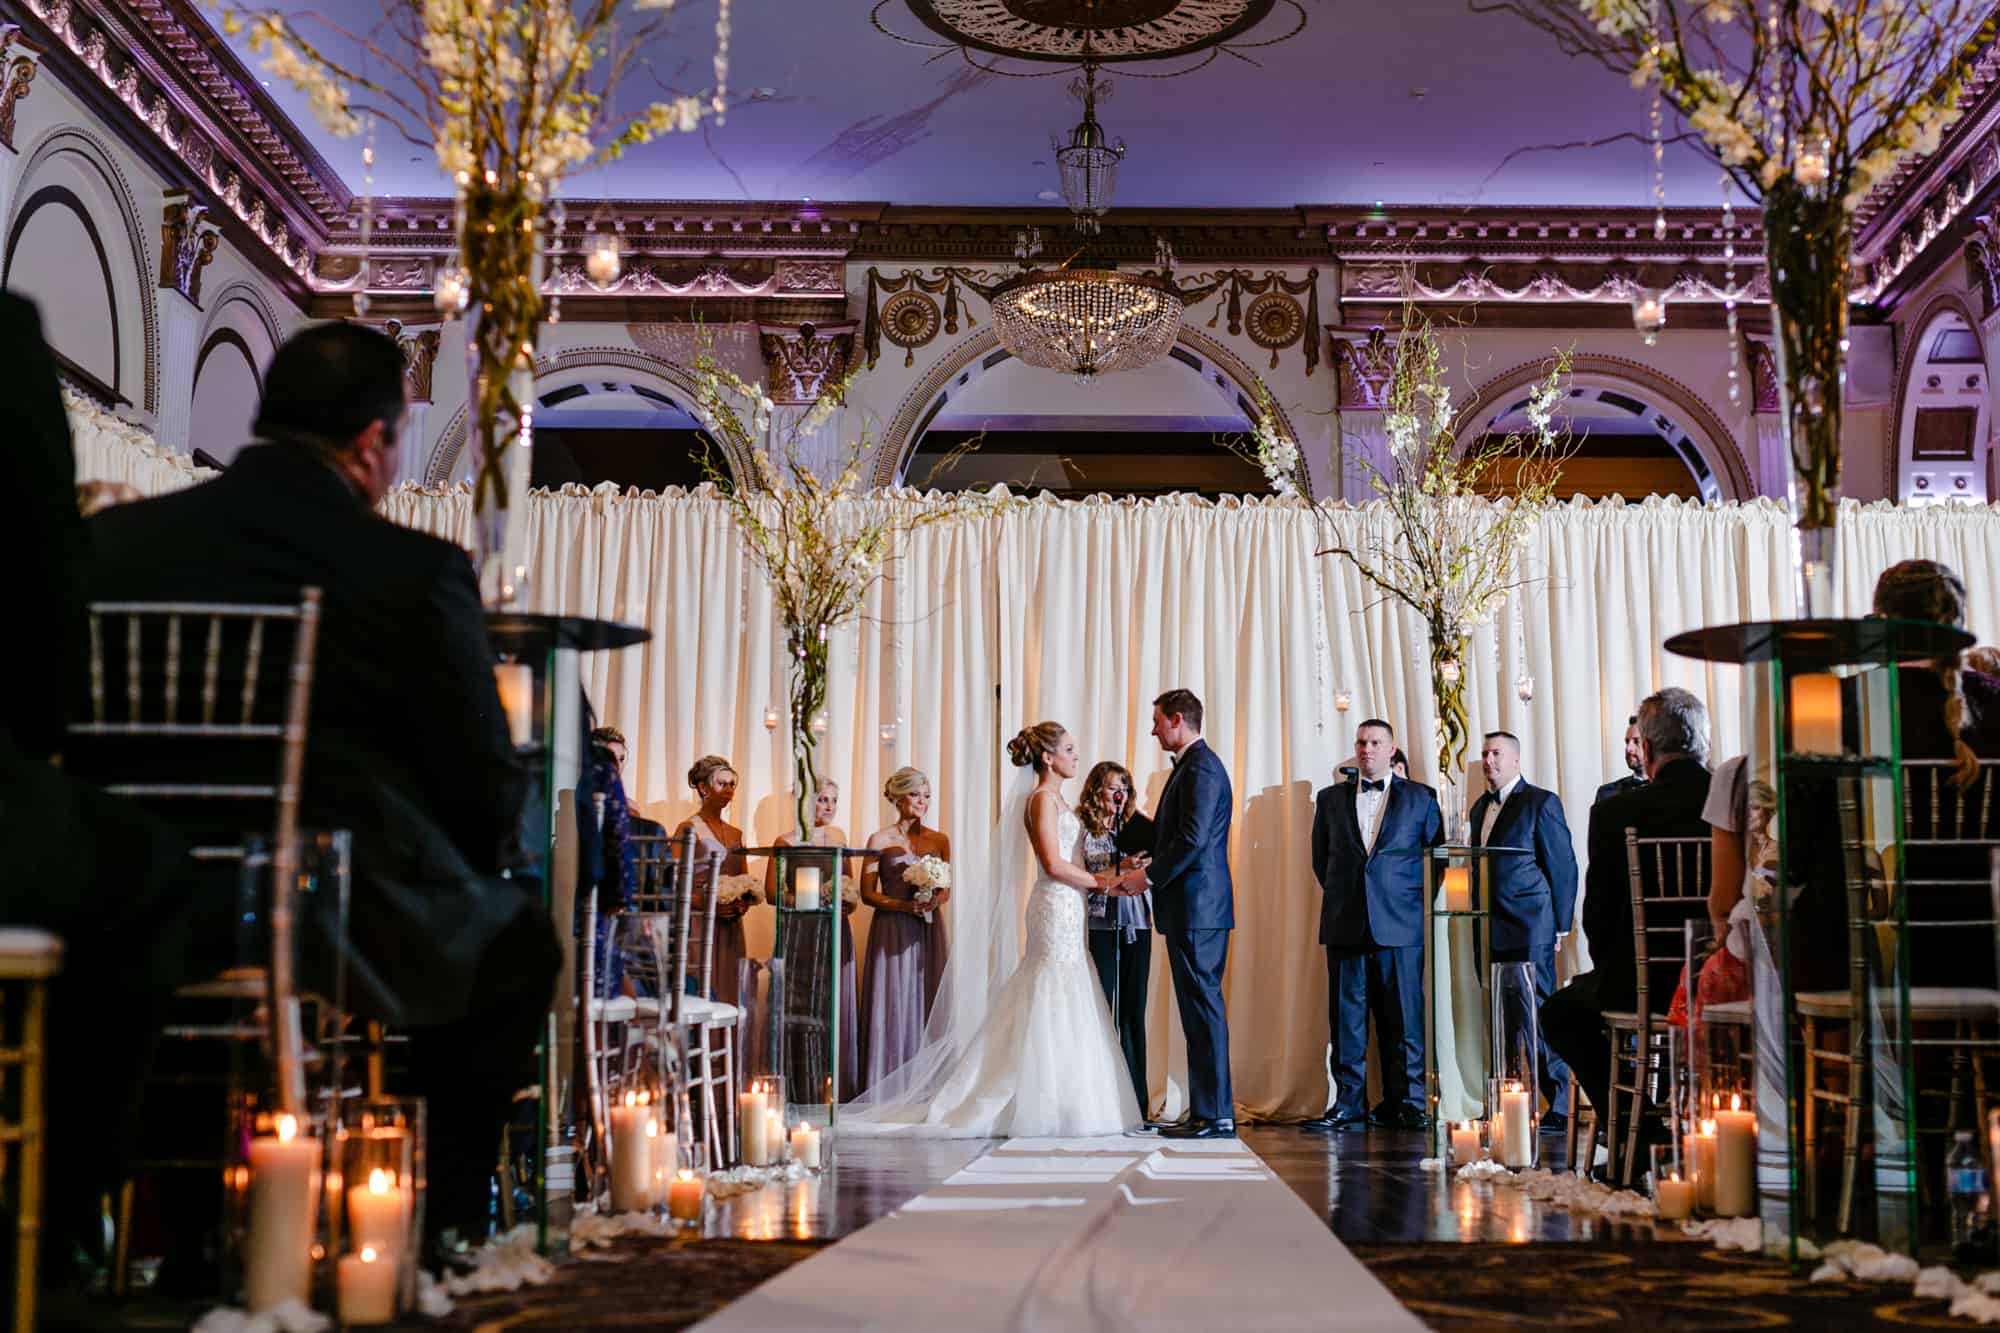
(1121, 927)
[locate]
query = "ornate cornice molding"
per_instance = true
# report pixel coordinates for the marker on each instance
(802, 360)
(188, 105)
(1614, 283)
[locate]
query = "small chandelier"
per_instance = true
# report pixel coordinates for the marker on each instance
(1088, 163)
(1087, 321)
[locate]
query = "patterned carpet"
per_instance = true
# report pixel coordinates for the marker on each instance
(1658, 1288)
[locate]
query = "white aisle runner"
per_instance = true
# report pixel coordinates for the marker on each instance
(1059, 1234)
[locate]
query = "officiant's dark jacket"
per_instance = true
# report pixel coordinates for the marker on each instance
(1534, 895)
(1190, 869)
(1373, 899)
(408, 747)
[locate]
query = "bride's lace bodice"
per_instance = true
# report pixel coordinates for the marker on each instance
(1056, 925)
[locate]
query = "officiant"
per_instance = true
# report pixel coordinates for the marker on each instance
(1121, 926)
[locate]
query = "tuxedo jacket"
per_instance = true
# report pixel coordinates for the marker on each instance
(408, 747)
(1534, 896)
(1190, 869)
(1373, 898)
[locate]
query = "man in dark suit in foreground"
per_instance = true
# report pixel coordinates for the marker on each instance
(408, 747)
(1673, 747)
(1369, 841)
(95, 871)
(1534, 894)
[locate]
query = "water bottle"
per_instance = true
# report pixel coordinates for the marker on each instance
(1965, 1184)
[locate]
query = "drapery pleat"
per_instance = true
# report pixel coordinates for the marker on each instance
(1084, 611)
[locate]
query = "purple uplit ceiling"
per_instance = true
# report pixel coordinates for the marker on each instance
(1407, 101)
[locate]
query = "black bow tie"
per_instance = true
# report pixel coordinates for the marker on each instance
(1380, 784)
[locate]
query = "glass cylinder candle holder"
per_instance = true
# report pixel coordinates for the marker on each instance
(375, 1189)
(1465, 1145)
(641, 1139)
(1673, 1189)
(1516, 1063)
(1735, 1154)
(686, 1194)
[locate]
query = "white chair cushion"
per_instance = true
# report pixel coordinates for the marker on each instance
(27, 954)
(710, 1012)
(624, 1009)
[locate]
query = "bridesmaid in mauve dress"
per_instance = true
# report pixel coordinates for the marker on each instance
(906, 953)
(801, 981)
(714, 783)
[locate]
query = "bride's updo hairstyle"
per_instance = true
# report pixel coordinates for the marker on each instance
(1034, 745)
(904, 781)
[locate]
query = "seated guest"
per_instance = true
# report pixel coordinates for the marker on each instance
(1369, 839)
(636, 824)
(1636, 777)
(714, 784)
(1121, 925)
(1534, 896)
(97, 872)
(409, 748)
(805, 981)
(1673, 753)
(907, 946)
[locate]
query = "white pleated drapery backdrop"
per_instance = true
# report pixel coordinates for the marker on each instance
(1084, 611)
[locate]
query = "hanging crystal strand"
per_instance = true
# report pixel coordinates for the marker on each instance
(1655, 121)
(720, 104)
(557, 216)
(1729, 286)
(367, 219)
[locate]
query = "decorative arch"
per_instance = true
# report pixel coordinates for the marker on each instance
(62, 197)
(565, 368)
(981, 352)
(78, 143)
(1909, 357)
(248, 295)
(1706, 431)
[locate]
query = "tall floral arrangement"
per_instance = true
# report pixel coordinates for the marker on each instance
(817, 540)
(512, 96)
(1808, 106)
(1452, 549)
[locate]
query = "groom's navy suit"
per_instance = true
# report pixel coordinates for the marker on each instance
(1371, 921)
(1194, 909)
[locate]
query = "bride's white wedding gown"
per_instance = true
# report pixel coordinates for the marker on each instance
(1046, 1062)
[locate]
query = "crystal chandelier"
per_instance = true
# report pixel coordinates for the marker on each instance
(1088, 163)
(1087, 321)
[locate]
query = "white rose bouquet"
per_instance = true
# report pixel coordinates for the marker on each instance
(737, 888)
(927, 875)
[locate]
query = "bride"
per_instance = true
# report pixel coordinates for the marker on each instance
(1036, 1056)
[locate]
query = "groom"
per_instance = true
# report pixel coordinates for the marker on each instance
(1194, 906)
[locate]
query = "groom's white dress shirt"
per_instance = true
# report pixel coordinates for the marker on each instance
(1499, 803)
(1368, 807)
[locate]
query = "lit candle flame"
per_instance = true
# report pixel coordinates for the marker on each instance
(378, 1181)
(368, 1254)
(652, 1129)
(1735, 1101)
(288, 1128)
(1708, 1128)
(631, 1099)
(686, 1174)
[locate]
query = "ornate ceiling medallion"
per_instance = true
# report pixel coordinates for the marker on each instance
(1112, 29)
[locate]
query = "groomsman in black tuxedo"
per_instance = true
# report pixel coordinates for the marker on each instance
(1635, 778)
(1369, 839)
(1534, 896)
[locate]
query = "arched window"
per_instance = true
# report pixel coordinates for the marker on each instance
(599, 430)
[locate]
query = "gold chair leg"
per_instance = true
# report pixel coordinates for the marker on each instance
(1641, 1076)
(27, 1249)
(1809, 1176)
(121, 1239)
(1610, 1112)
(1575, 1114)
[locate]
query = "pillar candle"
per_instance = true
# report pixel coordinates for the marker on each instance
(756, 1136)
(1701, 1152)
(805, 889)
(1735, 1160)
(631, 1156)
(1464, 1143)
(367, 1287)
(799, 1137)
(814, 1147)
(666, 1161)
(1458, 888)
(378, 1215)
(684, 1197)
(284, 1185)
(517, 700)
(1673, 1198)
(1518, 1142)
(774, 1135)
(1815, 713)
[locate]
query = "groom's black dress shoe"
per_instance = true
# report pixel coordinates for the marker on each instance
(1327, 1124)
(1202, 1129)
(1164, 1125)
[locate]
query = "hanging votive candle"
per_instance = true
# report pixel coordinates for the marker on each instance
(1342, 701)
(1449, 671)
(1649, 315)
(1525, 687)
(454, 291)
(603, 259)
(770, 719)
